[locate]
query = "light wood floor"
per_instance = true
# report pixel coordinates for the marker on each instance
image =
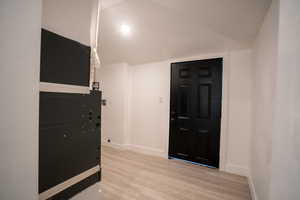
(132, 176)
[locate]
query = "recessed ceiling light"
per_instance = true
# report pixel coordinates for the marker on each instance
(125, 29)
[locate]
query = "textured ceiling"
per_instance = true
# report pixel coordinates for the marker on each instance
(163, 29)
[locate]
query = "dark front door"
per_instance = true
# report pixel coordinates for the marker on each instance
(195, 115)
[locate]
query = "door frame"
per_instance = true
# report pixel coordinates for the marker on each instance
(225, 102)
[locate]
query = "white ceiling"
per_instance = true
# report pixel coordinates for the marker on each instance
(163, 29)
(109, 3)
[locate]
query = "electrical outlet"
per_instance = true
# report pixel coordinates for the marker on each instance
(104, 102)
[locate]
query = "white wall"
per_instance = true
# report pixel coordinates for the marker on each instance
(150, 107)
(265, 67)
(148, 124)
(285, 181)
(151, 90)
(240, 112)
(69, 18)
(115, 84)
(19, 59)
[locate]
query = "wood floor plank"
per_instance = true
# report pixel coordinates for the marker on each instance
(128, 175)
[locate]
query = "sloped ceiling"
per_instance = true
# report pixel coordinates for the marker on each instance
(163, 29)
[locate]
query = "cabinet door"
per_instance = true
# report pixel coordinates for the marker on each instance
(69, 137)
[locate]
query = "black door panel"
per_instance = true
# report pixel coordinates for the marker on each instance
(195, 115)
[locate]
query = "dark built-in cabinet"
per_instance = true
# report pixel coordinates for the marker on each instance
(69, 123)
(64, 61)
(69, 137)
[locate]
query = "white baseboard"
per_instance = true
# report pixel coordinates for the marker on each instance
(252, 188)
(113, 145)
(242, 171)
(147, 150)
(230, 168)
(236, 169)
(138, 149)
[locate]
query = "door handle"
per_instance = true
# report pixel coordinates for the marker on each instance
(184, 129)
(202, 131)
(173, 114)
(181, 117)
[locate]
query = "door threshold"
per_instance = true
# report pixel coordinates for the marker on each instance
(191, 162)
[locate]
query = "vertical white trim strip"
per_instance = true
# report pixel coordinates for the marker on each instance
(252, 188)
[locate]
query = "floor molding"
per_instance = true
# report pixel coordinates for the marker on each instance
(128, 165)
(68, 183)
(138, 149)
(236, 169)
(230, 168)
(252, 188)
(114, 145)
(147, 150)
